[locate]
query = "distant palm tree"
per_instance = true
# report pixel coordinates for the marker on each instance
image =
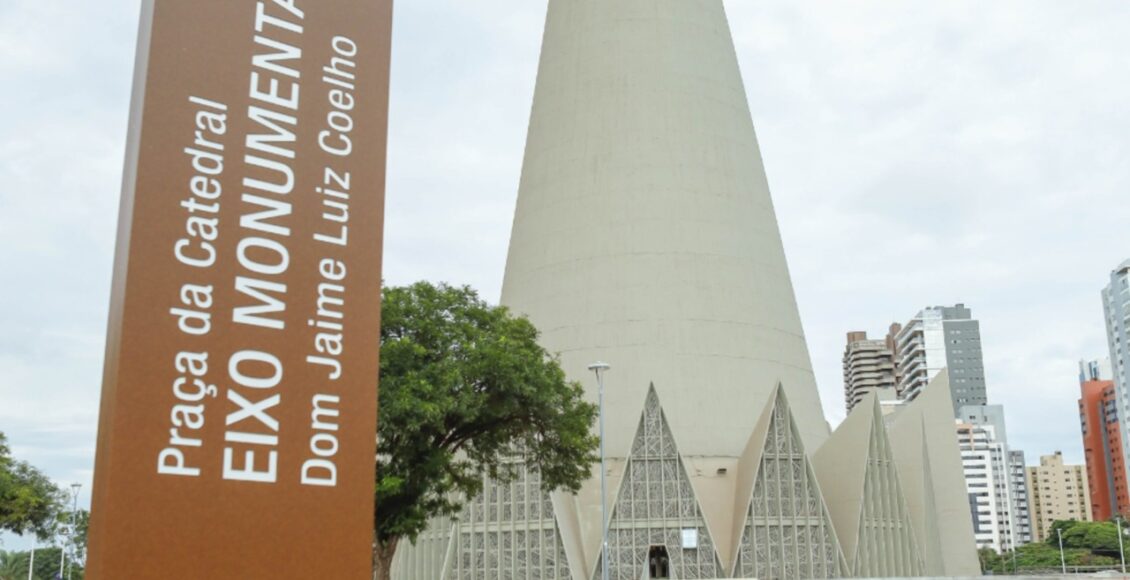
(12, 566)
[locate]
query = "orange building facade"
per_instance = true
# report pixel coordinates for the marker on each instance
(1102, 445)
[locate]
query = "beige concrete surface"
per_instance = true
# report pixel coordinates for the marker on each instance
(925, 448)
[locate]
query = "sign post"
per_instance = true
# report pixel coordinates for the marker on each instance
(238, 422)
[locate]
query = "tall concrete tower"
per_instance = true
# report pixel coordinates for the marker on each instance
(645, 236)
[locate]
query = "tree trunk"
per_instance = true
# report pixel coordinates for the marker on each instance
(382, 558)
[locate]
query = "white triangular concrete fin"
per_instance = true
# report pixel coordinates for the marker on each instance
(656, 503)
(841, 465)
(924, 441)
(786, 500)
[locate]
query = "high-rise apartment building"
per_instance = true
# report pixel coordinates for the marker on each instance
(1057, 492)
(869, 366)
(1102, 441)
(985, 461)
(993, 415)
(942, 337)
(1116, 310)
(1018, 486)
(998, 508)
(948, 337)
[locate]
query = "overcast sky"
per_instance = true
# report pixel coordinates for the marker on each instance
(918, 153)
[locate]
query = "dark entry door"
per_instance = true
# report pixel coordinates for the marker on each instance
(658, 564)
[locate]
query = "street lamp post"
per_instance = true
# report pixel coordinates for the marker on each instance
(1062, 560)
(597, 367)
(31, 562)
(1121, 550)
(67, 540)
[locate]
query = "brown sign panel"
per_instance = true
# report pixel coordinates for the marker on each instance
(238, 420)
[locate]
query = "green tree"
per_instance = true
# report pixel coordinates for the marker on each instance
(1098, 537)
(12, 566)
(47, 562)
(1084, 544)
(77, 535)
(1041, 556)
(29, 501)
(465, 388)
(991, 562)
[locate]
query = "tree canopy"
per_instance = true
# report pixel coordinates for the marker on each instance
(465, 388)
(29, 501)
(14, 565)
(1085, 544)
(1098, 537)
(78, 533)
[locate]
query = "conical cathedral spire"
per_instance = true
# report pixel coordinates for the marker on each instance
(645, 234)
